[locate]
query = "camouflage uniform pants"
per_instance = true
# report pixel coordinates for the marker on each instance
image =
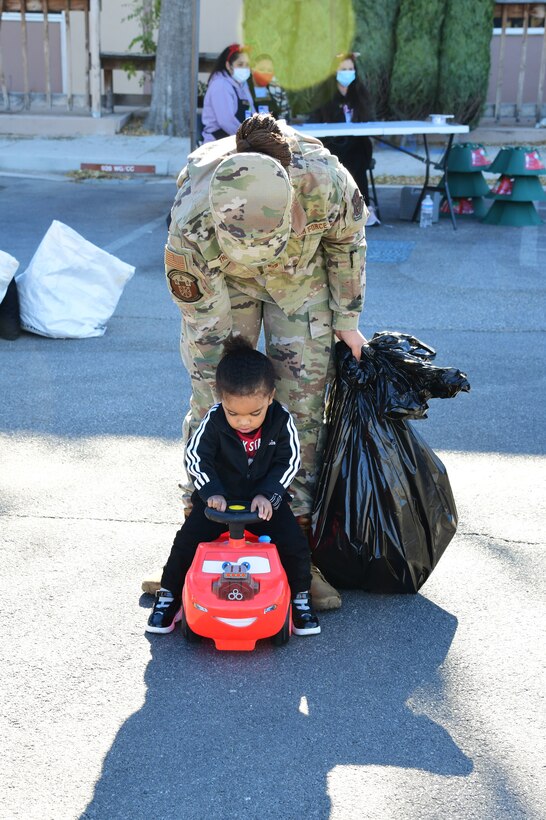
(300, 347)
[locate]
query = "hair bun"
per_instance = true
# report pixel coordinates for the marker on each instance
(261, 133)
(243, 145)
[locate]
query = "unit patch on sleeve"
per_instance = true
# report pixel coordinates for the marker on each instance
(183, 285)
(358, 204)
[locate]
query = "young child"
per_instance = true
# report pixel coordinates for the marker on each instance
(245, 450)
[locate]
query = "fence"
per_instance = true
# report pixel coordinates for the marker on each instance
(44, 9)
(518, 61)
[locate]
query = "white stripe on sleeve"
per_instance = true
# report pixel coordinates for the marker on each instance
(193, 460)
(294, 463)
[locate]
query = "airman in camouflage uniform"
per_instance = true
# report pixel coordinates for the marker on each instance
(251, 246)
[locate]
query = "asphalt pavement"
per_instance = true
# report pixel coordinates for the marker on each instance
(428, 706)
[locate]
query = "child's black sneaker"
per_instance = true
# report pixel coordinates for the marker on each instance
(166, 612)
(304, 619)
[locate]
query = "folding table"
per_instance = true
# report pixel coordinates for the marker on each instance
(380, 130)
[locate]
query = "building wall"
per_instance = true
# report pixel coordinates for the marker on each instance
(12, 52)
(512, 58)
(220, 24)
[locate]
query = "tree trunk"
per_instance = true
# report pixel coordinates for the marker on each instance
(172, 100)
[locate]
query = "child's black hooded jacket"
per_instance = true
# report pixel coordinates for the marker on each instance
(218, 464)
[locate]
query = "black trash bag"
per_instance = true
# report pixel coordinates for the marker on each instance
(384, 512)
(10, 323)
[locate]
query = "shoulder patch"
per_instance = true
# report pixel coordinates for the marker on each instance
(184, 286)
(175, 260)
(358, 204)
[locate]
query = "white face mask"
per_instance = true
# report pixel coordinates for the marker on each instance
(241, 75)
(345, 78)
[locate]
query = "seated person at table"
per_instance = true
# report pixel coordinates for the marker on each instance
(246, 449)
(228, 101)
(268, 96)
(349, 101)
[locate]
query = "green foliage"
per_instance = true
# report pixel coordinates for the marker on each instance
(414, 80)
(417, 57)
(465, 59)
(374, 39)
(302, 37)
(305, 100)
(148, 13)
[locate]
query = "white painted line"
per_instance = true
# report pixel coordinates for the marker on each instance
(136, 234)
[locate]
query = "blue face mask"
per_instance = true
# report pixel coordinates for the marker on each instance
(241, 75)
(345, 78)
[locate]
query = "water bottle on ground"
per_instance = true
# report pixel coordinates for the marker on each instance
(427, 207)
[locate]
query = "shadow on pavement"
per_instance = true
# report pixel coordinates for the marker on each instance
(236, 734)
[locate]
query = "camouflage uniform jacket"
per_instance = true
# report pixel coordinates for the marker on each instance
(324, 260)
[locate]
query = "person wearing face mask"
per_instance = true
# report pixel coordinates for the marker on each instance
(348, 100)
(268, 96)
(228, 101)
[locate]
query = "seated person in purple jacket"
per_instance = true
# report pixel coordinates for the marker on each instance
(228, 101)
(245, 450)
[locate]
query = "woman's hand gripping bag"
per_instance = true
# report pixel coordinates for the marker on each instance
(384, 511)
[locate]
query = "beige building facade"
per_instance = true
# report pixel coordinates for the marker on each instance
(220, 24)
(517, 77)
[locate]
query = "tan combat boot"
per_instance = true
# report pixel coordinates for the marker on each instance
(152, 583)
(323, 594)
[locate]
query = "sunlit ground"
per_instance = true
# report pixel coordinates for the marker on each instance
(77, 547)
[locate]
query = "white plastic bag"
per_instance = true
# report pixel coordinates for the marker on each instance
(8, 266)
(70, 288)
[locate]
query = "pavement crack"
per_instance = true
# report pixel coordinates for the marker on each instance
(491, 537)
(88, 518)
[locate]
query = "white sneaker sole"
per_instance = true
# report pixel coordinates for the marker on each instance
(303, 632)
(162, 630)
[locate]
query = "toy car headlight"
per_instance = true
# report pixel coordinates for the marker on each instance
(198, 606)
(270, 608)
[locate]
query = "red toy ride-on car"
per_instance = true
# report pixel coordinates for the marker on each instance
(236, 590)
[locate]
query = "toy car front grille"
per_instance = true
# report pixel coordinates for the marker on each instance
(235, 584)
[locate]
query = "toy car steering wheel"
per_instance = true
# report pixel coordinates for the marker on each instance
(236, 516)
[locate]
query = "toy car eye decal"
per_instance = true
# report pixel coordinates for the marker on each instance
(226, 565)
(245, 564)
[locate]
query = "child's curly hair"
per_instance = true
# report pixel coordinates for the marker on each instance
(243, 371)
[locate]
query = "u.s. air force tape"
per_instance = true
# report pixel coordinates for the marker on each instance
(183, 284)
